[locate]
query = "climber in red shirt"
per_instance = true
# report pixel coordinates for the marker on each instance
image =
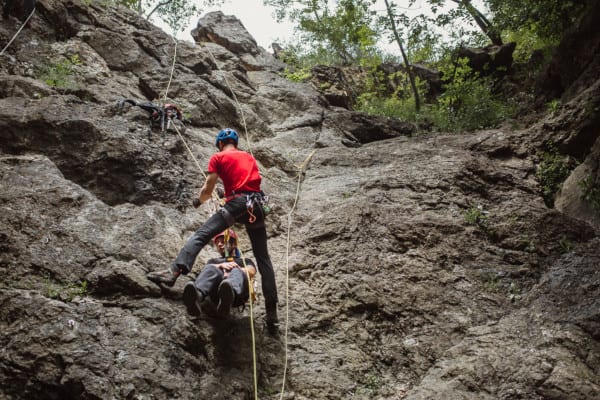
(244, 204)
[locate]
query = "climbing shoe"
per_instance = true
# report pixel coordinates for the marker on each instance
(226, 297)
(272, 320)
(167, 277)
(192, 298)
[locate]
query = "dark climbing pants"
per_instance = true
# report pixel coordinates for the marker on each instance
(211, 276)
(234, 211)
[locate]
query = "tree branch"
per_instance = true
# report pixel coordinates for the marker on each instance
(164, 3)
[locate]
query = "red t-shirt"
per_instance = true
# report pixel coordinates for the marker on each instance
(237, 169)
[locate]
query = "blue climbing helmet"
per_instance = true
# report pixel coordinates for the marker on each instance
(225, 134)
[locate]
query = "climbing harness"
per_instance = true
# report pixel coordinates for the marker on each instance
(163, 115)
(260, 200)
(253, 199)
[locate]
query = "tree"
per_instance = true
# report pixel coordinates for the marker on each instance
(411, 76)
(548, 19)
(466, 10)
(344, 28)
(175, 13)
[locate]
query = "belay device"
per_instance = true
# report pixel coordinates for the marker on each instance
(158, 114)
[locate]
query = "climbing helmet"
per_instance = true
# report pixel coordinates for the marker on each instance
(230, 234)
(225, 134)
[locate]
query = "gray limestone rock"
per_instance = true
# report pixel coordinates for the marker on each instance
(417, 266)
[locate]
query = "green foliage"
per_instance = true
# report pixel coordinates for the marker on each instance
(553, 106)
(468, 102)
(62, 74)
(175, 13)
(475, 216)
(590, 192)
(376, 98)
(299, 69)
(297, 75)
(526, 243)
(462, 23)
(553, 169)
(491, 282)
(290, 56)
(338, 33)
(65, 292)
(424, 44)
(394, 107)
(547, 19)
(527, 42)
(370, 384)
(565, 245)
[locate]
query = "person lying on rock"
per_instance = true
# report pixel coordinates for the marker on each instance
(224, 280)
(244, 203)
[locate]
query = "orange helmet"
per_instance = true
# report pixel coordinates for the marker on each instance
(230, 234)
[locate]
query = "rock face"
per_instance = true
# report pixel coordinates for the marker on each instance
(419, 266)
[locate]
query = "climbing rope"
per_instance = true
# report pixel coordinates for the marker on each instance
(251, 298)
(215, 197)
(172, 70)
(234, 98)
(301, 170)
(19, 31)
(247, 275)
(250, 288)
(251, 311)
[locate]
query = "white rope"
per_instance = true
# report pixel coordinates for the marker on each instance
(19, 31)
(287, 269)
(215, 198)
(251, 301)
(289, 217)
(300, 173)
(189, 150)
(172, 69)
(235, 99)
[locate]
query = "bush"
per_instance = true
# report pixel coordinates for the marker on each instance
(468, 102)
(394, 107)
(65, 292)
(297, 75)
(62, 74)
(553, 169)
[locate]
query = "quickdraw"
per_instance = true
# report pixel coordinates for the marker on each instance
(250, 208)
(163, 115)
(259, 199)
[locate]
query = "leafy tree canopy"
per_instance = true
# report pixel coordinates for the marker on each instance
(547, 18)
(343, 28)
